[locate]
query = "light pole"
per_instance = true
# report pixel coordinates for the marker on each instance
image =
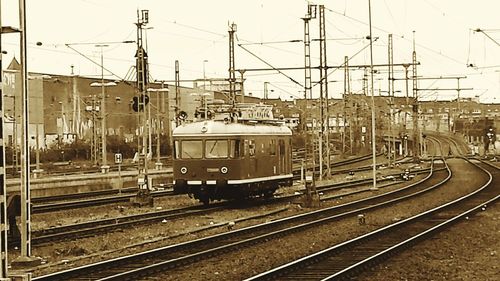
(158, 163)
(38, 116)
(104, 167)
(374, 157)
(204, 76)
(14, 134)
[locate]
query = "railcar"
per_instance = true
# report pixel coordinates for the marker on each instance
(218, 159)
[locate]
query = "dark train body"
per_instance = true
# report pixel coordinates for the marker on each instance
(231, 160)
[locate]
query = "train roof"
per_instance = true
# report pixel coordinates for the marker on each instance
(221, 128)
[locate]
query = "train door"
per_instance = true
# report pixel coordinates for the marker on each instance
(282, 156)
(252, 157)
(288, 157)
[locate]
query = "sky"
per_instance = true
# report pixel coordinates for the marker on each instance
(196, 34)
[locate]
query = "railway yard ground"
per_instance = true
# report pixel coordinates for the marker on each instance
(468, 251)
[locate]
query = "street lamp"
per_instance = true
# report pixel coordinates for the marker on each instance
(25, 189)
(104, 167)
(38, 170)
(158, 163)
(266, 90)
(204, 76)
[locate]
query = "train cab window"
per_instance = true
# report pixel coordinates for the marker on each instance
(191, 149)
(177, 150)
(216, 149)
(251, 148)
(272, 147)
(235, 149)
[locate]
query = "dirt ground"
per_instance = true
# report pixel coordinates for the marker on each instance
(455, 259)
(469, 250)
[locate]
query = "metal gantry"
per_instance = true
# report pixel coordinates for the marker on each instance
(392, 144)
(416, 134)
(232, 71)
(3, 188)
(144, 194)
(309, 145)
(324, 133)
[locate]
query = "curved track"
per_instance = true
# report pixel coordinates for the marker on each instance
(143, 264)
(346, 259)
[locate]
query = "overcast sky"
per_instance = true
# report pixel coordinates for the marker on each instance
(194, 31)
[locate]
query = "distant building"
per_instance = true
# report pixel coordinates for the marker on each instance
(64, 108)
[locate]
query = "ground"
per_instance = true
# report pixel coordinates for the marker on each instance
(467, 251)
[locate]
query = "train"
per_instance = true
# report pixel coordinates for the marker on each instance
(231, 158)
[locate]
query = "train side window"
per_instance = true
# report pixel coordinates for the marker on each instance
(191, 149)
(235, 149)
(176, 150)
(281, 143)
(251, 147)
(272, 147)
(216, 149)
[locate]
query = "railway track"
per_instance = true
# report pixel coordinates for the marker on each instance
(59, 206)
(93, 228)
(143, 264)
(344, 260)
(51, 204)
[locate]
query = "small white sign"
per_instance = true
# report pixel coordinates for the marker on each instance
(118, 158)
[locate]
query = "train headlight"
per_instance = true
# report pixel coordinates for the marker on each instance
(184, 170)
(223, 170)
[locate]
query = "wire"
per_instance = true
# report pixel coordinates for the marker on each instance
(268, 64)
(194, 28)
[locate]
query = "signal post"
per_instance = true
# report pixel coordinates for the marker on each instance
(143, 196)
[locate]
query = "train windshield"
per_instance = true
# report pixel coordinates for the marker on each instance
(216, 149)
(191, 149)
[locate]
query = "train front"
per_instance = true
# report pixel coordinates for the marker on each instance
(205, 158)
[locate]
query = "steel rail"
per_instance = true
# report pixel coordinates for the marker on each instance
(93, 228)
(170, 256)
(346, 259)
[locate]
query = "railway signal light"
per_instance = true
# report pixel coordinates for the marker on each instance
(137, 104)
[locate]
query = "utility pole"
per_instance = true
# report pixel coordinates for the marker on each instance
(266, 89)
(102, 110)
(309, 183)
(177, 96)
(374, 153)
(242, 88)
(324, 142)
(26, 259)
(416, 134)
(95, 144)
(158, 122)
(232, 74)
(143, 196)
(3, 189)
(405, 137)
(345, 99)
(391, 102)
